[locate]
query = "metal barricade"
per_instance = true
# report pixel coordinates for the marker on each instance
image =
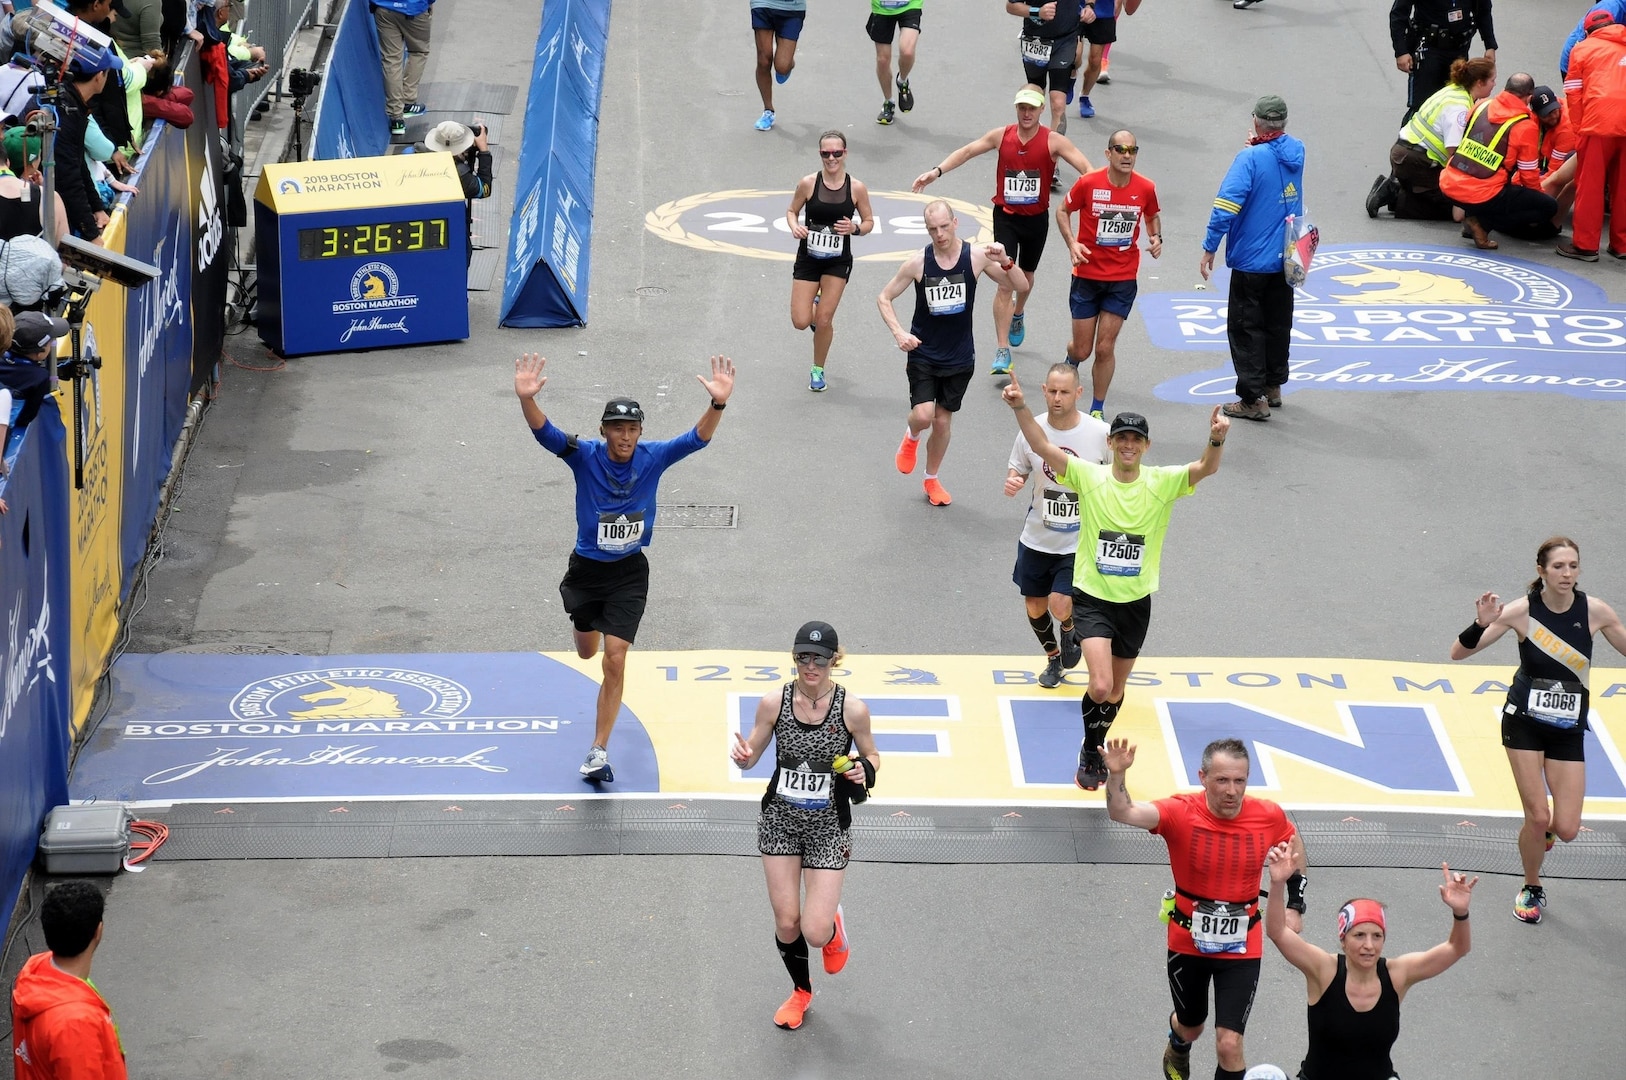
(272, 25)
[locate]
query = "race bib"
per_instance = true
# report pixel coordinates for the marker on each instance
(894, 3)
(803, 788)
(1555, 702)
(1118, 554)
(1036, 51)
(824, 243)
(1455, 16)
(1060, 510)
(1021, 188)
(619, 533)
(1116, 228)
(1219, 928)
(945, 296)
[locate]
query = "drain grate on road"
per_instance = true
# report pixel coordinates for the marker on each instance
(695, 516)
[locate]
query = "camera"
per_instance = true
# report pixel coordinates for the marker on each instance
(91, 259)
(303, 82)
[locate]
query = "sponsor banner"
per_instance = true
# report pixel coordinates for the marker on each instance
(752, 222)
(350, 118)
(206, 209)
(95, 506)
(1323, 734)
(1416, 317)
(34, 674)
(209, 727)
(158, 334)
(550, 236)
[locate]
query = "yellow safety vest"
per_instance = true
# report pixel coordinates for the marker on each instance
(1423, 129)
(1483, 150)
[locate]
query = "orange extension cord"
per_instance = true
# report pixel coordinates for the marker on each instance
(152, 834)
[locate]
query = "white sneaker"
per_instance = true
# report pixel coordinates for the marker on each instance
(597, 766)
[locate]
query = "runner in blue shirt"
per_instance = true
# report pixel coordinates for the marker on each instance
(607, 583)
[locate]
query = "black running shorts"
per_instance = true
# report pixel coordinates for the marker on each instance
(1125, 624)
(882, 27)
(1023, 235)
(1234, 979)
(606, 596)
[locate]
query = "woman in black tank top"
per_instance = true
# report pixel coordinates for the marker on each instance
(1354, 997)
(1544, 719)
(824, 258)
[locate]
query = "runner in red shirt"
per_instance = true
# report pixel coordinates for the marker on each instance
(1111, 204)
(1218, 840)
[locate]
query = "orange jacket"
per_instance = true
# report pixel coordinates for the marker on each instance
(62, 1029)
(1557, 142)
(1596, 84)
(1512, 157)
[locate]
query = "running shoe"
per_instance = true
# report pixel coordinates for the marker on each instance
(886, 113)
(1085, 109)
(765, 121)
(596, 768)
(1019, 329)
(1051, 675)
(1552, 838)
(837, 948)
(790, 1014)
(1103, 79)
(1002, 362)
(1099, 414)
(906, 96)
(1072, 649)
(1528, 904)
(398, 126)
(1092, 769)
(936, 494)
(907, 450)
(1176, 1063)
(815, 380)
(782, 79)
(415, 109)
(1570, 251)
(1244, 5)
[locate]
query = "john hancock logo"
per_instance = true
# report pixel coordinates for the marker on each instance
(1417, 318)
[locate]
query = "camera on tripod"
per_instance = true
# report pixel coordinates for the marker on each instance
(303, 82)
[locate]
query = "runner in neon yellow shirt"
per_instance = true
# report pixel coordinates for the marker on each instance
(1123, 516)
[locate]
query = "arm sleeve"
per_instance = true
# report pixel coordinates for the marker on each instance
(668, 452)
(1482, 19)
(551, 438)
(482, 169)
(149, 27)
(1569, 43)
(1399, 17)
(1170, 816)
(1525, 145)
(1233, 193)
(97, 145)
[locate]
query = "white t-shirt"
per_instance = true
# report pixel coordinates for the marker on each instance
(1052, 521)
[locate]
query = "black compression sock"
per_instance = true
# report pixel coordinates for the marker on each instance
(1228, 1074)
(794, 954)
(1045, 631)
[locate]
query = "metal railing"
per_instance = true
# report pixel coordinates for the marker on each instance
(273, 25)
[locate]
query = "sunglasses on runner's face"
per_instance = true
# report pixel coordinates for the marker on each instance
(1124, 149)
(803, 659)
(832, 153)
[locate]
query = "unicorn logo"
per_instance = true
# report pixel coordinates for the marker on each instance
(905, 676)
(1406, 287)
(349, 703)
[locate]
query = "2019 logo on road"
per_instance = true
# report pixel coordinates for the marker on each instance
(1417, 318)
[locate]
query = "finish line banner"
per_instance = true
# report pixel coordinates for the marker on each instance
(1323, 734)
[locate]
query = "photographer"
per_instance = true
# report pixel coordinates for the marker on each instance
(468, 148)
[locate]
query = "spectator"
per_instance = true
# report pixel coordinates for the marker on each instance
(139, 28)
(62, 1027)
(1493, 175)
(468, 149)
(20, 85)
(86, 79)
(21, 193)
(1596, 90)
(403, 24)
(220, 70)
(162, 98)
(110, 106)
(1617, 12)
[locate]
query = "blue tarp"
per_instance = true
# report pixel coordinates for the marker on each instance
(545, 283)
(350, 111)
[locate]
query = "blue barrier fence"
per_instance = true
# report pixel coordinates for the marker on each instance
(549, 239)
(350, 111)
(34, 705)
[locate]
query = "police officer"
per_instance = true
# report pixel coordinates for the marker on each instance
(1428, 35)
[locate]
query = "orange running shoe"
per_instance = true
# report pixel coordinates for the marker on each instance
(935, 494)
(791, 1012)
(907, 450)
(1551, 839)
(836, 949)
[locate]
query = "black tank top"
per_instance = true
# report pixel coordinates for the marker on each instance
(1350, 1045)
(21, 217)
(820, 214)
(943, 305)
(1555, 661)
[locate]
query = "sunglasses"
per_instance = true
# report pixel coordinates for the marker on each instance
(832, 153)
(1124, 149)
(803, 659)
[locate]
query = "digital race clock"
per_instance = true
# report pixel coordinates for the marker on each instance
(384, 238)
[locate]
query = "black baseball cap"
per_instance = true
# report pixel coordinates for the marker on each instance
(1544, 102)
(622, 408)
(1131, 421)
(818, 638)
(37, 330)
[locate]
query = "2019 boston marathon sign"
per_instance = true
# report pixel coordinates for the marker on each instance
(1417, 318)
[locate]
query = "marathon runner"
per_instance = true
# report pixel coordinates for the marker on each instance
(803, 831)
(777, 26)
(1048, 47)
(1110, 203)
(1044, 554)
(1124, 513)
(1544, 720)
(889, 19)
(824, 254)
(1023, 172)
(941, 347)
(1217, 839)
(607, 583)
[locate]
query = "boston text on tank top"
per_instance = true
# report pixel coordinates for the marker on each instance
(1555, 662)
(821, 212)
(943, 305)
(803, 753)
